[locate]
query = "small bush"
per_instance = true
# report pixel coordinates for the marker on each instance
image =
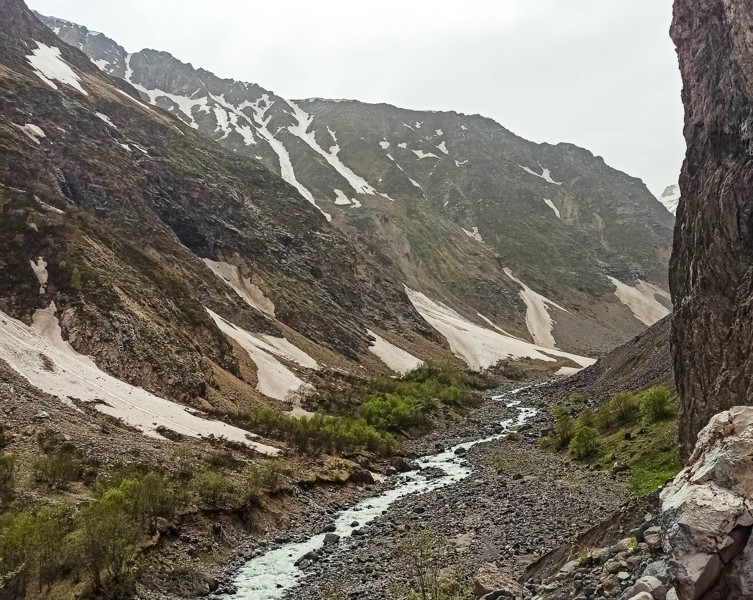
(585, 442)
(625, 406)
(563, 430)
(656, 403)
(587, 418)
(212, 488)
(7, 470)
(58, 470)
(604, 417)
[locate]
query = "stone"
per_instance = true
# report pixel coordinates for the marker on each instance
(647, 584)
(652, 538)
(570, 567)
(490, 579)
(331, 539)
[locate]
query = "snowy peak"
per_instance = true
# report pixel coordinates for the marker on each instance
(670, 198)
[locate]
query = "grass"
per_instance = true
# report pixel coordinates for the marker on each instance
(636, 433)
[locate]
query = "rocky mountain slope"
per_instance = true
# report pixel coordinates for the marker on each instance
(541, 239)
(712, 261)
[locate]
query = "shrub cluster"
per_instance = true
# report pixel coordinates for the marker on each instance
(322, 433)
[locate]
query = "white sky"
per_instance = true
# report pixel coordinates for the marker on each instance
(599, 73)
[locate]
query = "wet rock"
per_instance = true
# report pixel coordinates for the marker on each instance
(331, 539)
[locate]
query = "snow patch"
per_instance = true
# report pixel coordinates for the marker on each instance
(538, 319)
(402, 145)
(40, 270)
(341, 199)
(478, 346)
(439, 132)
(34, 133)
(102, 65)
(384, 144)
(251, 293)
(106, 119)
(545, 174)
(260, 108)
(460, 164)
(641, 300)
(301, 130)
(551, 205)
(395, 358)
(474, 234)
(421, 154)
(49, 67)
(275, 380)
(40, 354)
(125, 147)
(442, 147)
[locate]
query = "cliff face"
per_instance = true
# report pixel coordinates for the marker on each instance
(711, 271)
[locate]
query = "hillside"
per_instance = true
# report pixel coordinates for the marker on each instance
(548, 242)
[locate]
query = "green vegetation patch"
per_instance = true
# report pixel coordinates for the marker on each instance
(632, 433)
(369, 414)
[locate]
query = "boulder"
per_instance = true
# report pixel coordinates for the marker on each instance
(331, 539)
(489, 579)
(647, 584)
(706, 512)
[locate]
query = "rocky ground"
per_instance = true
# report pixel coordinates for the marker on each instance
(519, 503)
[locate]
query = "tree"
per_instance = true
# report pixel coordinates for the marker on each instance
(108, 539)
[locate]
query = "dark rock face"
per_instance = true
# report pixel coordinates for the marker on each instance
(711, 271)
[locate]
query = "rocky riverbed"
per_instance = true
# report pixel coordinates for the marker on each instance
(514, 503)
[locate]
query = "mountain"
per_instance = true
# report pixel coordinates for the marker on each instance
(712, 259)
(546, 241)
(670, 198)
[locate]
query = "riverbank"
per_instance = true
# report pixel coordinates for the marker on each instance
(518, 503)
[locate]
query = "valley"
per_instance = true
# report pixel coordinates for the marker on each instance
(268, 348)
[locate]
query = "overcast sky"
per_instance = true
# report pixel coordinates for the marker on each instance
(598, 73)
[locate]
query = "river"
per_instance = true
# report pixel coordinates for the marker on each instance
(270, 575)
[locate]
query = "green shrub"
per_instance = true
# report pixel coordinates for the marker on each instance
(585, 442)
(563, 430)
(108, 539)
(58, 470)
(656, 403)
(587, 418)
(7, 470)
(625, 406)
(605, 417)
(212, 488)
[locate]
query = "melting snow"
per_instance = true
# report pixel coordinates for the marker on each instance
(286, 166)
(478, 346)
(251, 293)
(545, 174)
(49, 67)
(103, 65)
(421, 154)
(551, 205)
(125, 147)
(358, 183)
(106, 119)
(474, 234)
(275, 380)
(395, 358)
(40, 270)
(641, 300)
(31, 350)
(538, 320)
(33, 132)
(340, 198)
(442, 147)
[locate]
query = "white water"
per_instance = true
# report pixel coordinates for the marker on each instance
(270, 575)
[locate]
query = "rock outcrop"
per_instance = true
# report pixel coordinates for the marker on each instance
(707, 513)
(711, 271)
